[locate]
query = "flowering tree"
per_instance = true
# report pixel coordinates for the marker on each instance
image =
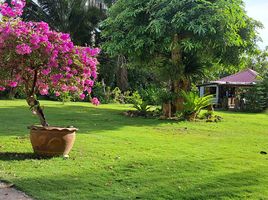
(41, 60)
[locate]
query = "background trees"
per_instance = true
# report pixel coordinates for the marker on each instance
(155, 45)
(179, 38)
(80, 18)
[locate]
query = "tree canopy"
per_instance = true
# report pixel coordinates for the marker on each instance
(214, 30)
(179, 38)
(77, 17)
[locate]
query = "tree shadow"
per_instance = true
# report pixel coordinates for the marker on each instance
(15, 156)
(142, 180)
(88, 119)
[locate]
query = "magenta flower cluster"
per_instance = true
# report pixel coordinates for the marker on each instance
(42, 60)
(15, 11)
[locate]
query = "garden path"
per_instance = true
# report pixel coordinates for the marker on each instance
(8, 192)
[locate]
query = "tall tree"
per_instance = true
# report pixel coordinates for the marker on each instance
(170, 33)
(258, 61)
(80, 18)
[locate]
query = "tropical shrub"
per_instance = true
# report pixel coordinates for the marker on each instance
(38, 59)
(193, 104)
(256, 98)
(102, 92)
(209, 116)
(142, 107)
(151, 94)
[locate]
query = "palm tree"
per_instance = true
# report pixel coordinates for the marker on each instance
(80, 18)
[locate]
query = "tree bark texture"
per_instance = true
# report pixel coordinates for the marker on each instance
(179, 82)
(122, 74)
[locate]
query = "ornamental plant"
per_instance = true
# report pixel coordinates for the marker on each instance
(42, 61)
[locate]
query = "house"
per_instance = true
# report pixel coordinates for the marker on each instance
(227, 90)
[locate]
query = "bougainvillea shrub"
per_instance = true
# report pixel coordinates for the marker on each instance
(41, 60)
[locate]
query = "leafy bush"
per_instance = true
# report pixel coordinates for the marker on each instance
(193, 104)
(118, 96)
(256, 98)
(142, 107)
(104, 93)
(151, 95)
(209, 116)
(139, 104)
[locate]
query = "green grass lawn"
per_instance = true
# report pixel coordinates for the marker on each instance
(116, 157)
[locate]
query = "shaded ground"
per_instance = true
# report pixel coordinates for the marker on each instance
(7, 192)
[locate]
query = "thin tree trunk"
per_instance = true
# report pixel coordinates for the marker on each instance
(11, 93)
(179, 82)
(122, 74)
(32, 101)
(36, 109)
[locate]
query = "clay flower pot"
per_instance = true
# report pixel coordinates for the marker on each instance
(52, 141)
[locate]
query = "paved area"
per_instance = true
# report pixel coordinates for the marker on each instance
(8, 192)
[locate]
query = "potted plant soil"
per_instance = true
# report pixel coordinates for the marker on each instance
(43, 61)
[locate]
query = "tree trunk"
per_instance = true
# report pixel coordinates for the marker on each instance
(37, 110)
(178, 86)
(11, 93)
(122, 74)
(179, 82)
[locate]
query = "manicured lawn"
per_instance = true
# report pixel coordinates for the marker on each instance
(116, 157)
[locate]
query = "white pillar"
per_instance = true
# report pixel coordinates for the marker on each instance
(217, 94)
(202, 91)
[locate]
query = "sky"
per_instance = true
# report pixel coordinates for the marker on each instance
(258, 9)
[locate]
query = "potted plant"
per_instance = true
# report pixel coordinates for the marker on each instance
(43, 61)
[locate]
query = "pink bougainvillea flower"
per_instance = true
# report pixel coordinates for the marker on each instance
(2, 88)
(89, 83)
(57, 94)
(95, 101)
(82, 96)
(46, 71)
(35, 39)
(23, 49)
(64, 88)
(44, 91)
(13, 84)
(73, 88)
(65, 36)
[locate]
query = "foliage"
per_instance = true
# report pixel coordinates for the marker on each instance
(151, 94)
(209, 31)
(139, 104)
(256, 98)
(179, 39)
(80, 18)
(142, 107)
(118, 97)
(258, 61)
(38, 59)
(210, 116)
(103, 93)
(193, 104)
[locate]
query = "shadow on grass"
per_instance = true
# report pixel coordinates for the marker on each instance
(14, 120)
(151, 183)
(14, 156)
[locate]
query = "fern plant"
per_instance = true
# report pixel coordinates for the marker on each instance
(193, 104)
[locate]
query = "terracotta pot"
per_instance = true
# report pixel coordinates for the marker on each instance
(52, 141)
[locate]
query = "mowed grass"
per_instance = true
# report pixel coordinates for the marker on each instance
(116, 157)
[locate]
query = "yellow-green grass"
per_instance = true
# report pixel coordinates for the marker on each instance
(117, 157)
